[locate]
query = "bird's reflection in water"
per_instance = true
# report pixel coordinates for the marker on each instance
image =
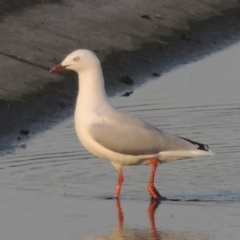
(124, 233)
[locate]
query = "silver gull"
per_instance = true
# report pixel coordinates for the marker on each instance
(117, 137)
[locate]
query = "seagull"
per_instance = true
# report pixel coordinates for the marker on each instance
(122, 139)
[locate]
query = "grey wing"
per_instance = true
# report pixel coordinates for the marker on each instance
(136, 137)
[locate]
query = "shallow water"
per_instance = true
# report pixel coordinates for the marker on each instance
(51, 188)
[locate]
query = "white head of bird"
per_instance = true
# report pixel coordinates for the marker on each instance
(78, 61)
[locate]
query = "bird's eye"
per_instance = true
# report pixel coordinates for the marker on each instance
(76, 59)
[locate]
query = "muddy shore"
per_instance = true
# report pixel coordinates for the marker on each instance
(136, 39)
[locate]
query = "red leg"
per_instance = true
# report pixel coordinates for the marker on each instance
(119, 184)
(151, 188)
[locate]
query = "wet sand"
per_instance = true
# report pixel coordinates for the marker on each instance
(54, 189)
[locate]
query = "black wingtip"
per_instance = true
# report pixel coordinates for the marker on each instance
(201, 146)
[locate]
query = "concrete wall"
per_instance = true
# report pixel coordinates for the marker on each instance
(37, 34)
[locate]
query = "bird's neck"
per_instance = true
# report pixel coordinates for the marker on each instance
(92, 95)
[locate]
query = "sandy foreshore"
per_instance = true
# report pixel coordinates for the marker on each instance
(134, 38)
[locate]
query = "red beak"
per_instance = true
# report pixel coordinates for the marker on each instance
(57, 68)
